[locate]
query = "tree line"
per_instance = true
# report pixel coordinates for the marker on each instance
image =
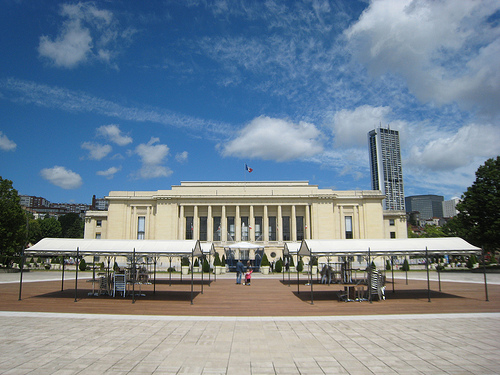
(19, 228)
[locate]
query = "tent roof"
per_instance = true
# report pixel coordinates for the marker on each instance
(378, 247)
(244, 245)
(69, 246)
(291, 248)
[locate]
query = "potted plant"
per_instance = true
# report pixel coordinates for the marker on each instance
(217, 264)
(264, 265)
(223, 263)
(291, 265)
(185, 265)
(314, 265)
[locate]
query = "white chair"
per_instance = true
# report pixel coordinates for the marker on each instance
(119, 284)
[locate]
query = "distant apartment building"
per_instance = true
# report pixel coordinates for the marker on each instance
(41, 207)
(386, 168)
(99, 204)
(450, 207)
(428, 206)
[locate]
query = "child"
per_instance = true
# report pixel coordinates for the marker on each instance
(248, 276)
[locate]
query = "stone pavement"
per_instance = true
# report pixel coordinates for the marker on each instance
(69, 343)
(38, 343)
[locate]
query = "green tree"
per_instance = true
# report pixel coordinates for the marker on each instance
(71, 225)
(478, 220)
(431, 231)
(34, 230)
(12, 221)
(50, 227)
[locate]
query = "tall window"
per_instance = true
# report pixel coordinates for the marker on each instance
(203, 228)
(300, 227)
(244, 228)
(231, 231)
(258, 228)
(141, 227)
(98, 236)
(348, 227)
(286, 228)
(217, 228)
(189, 228)
(272, 228)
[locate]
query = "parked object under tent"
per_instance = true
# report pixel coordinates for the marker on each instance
(371, 248)
(131, 249)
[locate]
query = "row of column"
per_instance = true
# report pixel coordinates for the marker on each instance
(237, 223)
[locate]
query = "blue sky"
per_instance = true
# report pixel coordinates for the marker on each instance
(133, 95)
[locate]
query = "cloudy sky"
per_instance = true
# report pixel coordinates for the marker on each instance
(133, 95)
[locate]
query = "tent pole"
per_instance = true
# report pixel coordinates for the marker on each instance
(209, 273)
(154, 275)
(427, 269)
(311, 281)
(484, 273)
(289, 258)
(370, 271)
(62, 277)
(298, 260)
(21, 276)
(438, 269)
(134, 273)
(215, 273)
(77, 266)
(202, 282)
(406, 270)
(170, 272)
(392, 269)
(192, 280)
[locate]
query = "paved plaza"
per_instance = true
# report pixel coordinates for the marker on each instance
(80, 343)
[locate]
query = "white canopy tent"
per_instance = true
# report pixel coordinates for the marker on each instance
(385, 247)
(128, 248)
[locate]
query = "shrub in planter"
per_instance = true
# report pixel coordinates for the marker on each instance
(278, 266)
(388, 265)
(223, 261)
(206, 266)
(83, 265)
(217, 260)
(292, 264)
(185, 261)
(264, 262)
(406, 266)
(47, 266)
(300, 266)
(196, 263)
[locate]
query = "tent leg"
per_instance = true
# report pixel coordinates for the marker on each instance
(392, 269)
(134, 270)
(484, 273)
(154, 276)
(77, 267)
(427, 269)
(21, 276)
(62, 276)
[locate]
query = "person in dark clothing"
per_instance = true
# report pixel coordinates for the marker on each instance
(240, 270)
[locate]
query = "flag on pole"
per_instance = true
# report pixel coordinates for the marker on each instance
(248, 168)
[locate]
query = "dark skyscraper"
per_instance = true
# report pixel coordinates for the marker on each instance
(386, 168)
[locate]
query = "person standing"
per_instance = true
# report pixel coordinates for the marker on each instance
(240, 269)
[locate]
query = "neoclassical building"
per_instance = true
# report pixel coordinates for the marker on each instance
(264, 213)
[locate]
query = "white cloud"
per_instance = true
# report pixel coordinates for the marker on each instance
(76, 101)
(114, 134)
(6, 144)
(96, 151)
(62, 177)
(275, 139)
(152, 156)
(87, 33)
(445, 50)
(182, 157)
(350, 127)
(460, 149)
(109, 173)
